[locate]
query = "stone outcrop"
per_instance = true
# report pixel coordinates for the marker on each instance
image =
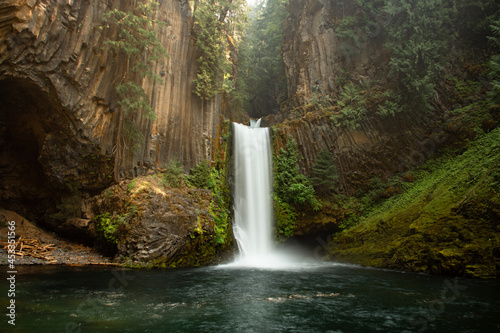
(58, 106)
(378, 148)
(154, 224)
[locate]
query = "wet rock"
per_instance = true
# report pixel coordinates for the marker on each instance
(158, 225)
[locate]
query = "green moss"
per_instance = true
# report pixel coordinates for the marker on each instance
(445, 222)
(200, 250)
(131, 185)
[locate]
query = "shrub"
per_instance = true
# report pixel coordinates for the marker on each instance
(201, 176)
(290, 185)
(352, 103)
(173, 174)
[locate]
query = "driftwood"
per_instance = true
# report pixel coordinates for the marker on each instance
(33, 248)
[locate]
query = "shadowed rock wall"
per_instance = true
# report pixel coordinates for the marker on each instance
(55, 71)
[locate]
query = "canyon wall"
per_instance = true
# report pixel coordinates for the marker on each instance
(318, 55)
(58, 104)
(319, 61)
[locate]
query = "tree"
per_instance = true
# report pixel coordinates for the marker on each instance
(216, 23)
(324, 174)
(290, 185)
(495, 65)
(420, 33)
(137, 40)
(262, 84)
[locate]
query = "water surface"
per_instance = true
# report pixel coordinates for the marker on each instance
(317, 298)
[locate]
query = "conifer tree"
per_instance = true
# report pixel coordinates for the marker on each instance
(324, 174)
(216, 24)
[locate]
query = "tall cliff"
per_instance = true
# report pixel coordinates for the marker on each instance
(318, 55)
(405, 202)
(58, 105)
(319, 59)
(330, 47)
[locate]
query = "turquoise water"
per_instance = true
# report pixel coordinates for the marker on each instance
(324, 298)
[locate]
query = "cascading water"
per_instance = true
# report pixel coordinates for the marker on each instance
(253, 212)
(252, 193)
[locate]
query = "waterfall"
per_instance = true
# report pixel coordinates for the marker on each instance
(253, 193)
(253, 210)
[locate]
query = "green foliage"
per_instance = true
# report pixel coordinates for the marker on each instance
(262, 80)
(111, 228)
(133, 134)
(174, 173)
(392, 105)
(475, 19)
(419, 36)
(131, 185)
(347, 31)
(220, 206)
(285, 219)
(201, 176)
(134, 99)
(290, 185)
(291, 188)
(495, 64)
(137, 38)
(450, 212)
(445, 178)
(352, 103)
(324, 174)
(216, 22)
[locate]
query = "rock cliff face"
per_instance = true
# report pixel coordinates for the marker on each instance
(317, 56)
(58, 110)
(319, 60)
(379, 148)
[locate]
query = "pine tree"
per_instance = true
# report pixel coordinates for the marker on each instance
(324, 176)
(137, 39)
(420, 34)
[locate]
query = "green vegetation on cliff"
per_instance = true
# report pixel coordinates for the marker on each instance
(217, 23)
(446, 221)
(262, 81)
(137, 38)
(291, 190)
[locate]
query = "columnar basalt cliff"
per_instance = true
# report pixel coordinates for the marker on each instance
(379, 148)
(59, 113)
(316, 54)
(318, 62)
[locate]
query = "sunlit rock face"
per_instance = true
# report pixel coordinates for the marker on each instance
(58, 96)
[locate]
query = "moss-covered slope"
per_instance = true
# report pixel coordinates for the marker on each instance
(447, 221)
